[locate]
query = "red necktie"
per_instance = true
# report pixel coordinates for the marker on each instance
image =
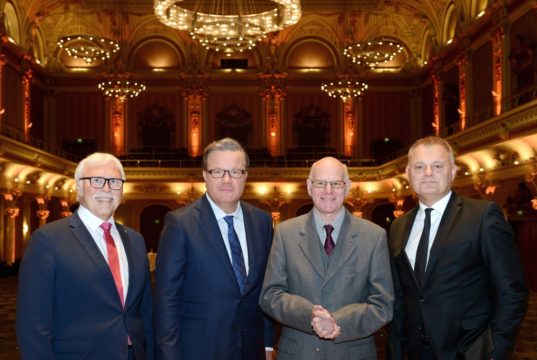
(329, 244)
(113, 259)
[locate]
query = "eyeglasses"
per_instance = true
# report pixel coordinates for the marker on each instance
(98, 182)
(220, 173)
(337, 184)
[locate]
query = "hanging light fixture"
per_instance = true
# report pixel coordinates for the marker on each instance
(344, 88)
(118, 83)
(121, 88)
(372, 53)
(228, 25)
(88, 47)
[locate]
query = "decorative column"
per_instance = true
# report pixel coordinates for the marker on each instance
(194, 105)
(398, 204)
(26, 84)
(2, 110)
(501, 67)
(11, 212)
(194, 95)
(436, 104)
(43, 213)
(275, 202)
(2, 227)
(273, 100)
(357, 200)
(463, 72)
(65, 208)
(116, 114)
(349, 128)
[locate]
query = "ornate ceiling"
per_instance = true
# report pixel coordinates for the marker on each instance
(422, 27)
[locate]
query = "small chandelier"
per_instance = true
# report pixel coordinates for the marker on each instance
(234, 27)
(88, 48)
(121, 88)
(344, 88)
(372, 53)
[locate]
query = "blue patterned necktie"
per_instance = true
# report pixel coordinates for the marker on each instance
(236, 253)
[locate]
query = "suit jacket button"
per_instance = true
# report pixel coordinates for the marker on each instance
(125, 349)
(317, 349)
(422, 299)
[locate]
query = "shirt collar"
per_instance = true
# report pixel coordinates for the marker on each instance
(220, 214)
(439, 206)
(90, 220)
(336, 223)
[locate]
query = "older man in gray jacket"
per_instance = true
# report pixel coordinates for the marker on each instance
(328, 280)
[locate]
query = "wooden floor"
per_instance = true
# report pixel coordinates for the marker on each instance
(526, 348)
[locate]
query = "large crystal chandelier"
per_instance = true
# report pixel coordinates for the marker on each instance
(88, 47)
(344, 88)
(227, 25)
(373, 52)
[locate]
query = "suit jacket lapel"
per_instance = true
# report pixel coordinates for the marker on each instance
(88, 244)
(310, 246)
(452, 209)
(402, 239)
(253, 248)
(209, 226)
(134, 267)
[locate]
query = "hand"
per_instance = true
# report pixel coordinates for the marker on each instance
(323, 323)
(269, 355)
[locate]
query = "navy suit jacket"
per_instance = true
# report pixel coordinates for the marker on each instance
(473, 287)
(199, 310)
(68, 306)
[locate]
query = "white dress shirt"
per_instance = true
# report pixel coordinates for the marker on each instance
(238, 224)
(93, 224)
(417, 228)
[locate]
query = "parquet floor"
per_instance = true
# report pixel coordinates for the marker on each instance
(526, 348)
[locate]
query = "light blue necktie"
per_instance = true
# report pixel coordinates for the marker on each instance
(236, 253)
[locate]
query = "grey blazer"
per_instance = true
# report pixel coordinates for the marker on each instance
(356, 288)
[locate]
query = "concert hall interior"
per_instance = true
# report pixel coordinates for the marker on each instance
(359, 80)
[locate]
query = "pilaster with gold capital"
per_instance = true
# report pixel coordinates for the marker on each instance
(26, 88)
(11, 213)
(273, 96)
(116, 124)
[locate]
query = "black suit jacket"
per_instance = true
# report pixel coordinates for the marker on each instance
(67, 302)
(200, 312)
(474, 283)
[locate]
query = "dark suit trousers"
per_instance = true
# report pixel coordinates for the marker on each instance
(131, 353)
(426, 352)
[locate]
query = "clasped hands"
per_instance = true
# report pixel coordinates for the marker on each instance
(323, 323)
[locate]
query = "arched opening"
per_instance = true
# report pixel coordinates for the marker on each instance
(151, 222)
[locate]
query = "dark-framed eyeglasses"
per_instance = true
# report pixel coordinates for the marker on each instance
(337, 184)
(220, 173)
(97, 182)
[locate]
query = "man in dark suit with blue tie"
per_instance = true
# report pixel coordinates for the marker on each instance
(458, 279)
(84, 285)
(210, 266)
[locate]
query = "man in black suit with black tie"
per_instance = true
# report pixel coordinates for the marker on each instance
(459, 288)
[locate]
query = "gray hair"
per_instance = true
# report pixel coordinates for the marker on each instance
(225, 144)
(94, 159)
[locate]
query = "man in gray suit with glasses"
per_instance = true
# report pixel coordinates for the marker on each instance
(328, 279)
